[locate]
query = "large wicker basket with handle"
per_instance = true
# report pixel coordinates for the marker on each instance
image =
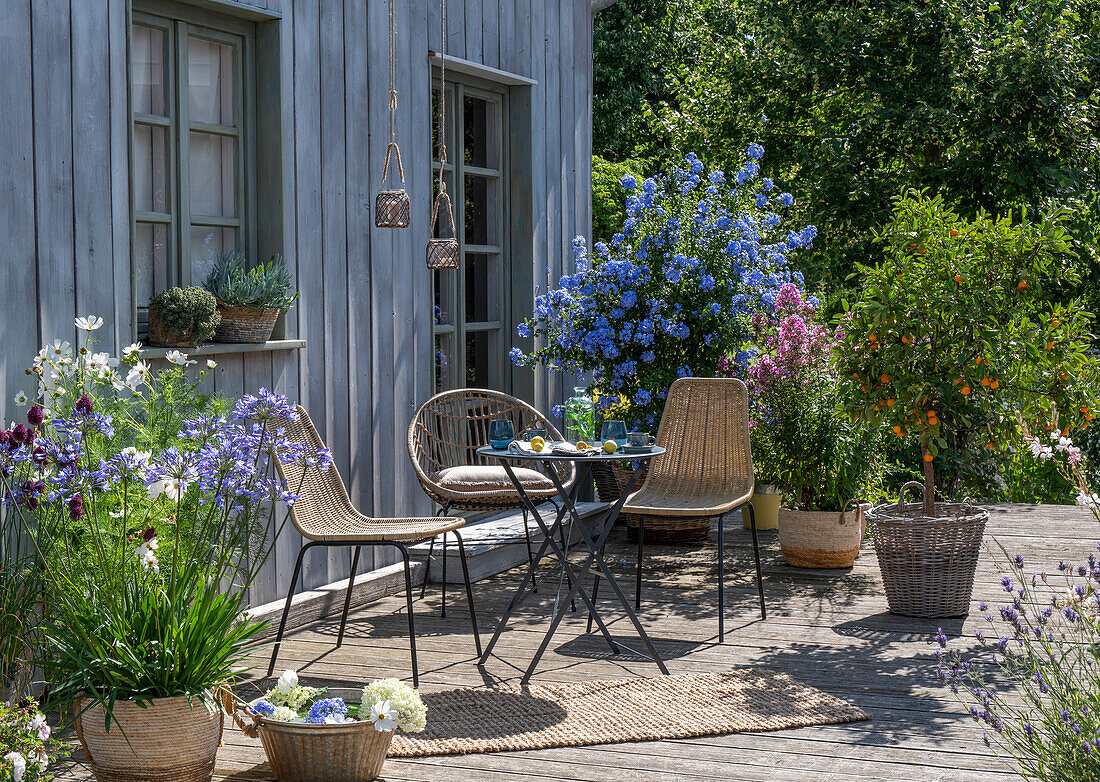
(822, 539)
(927, 563)
(169, 740)
(351, 752)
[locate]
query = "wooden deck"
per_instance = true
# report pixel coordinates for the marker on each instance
(828, 629)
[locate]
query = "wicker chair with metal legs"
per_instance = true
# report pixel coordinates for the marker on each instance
(324, 515)
(443, 438)
(705, 471)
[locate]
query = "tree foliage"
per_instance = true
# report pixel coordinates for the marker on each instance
(992, 105)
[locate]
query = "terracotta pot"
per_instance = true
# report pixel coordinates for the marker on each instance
(171, 740)
(766, 505)
(822, 539)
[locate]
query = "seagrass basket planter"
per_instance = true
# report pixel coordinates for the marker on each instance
(351, 752)
(245, 324)
(927, 563)
(172, 740)
(822, 539)
(611, 480)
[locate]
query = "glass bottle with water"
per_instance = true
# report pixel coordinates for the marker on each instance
(580, 417)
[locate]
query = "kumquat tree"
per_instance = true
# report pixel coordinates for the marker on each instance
(964, 324)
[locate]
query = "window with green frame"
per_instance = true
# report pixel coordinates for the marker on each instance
(472, 303)
(193, 153)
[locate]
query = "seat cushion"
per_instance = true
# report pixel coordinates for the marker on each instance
(488, 478)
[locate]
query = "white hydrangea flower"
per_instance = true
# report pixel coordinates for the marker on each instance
(285, 714)
(412, 714)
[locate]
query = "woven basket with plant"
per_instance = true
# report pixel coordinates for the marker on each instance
(182, 317)
(249, 300)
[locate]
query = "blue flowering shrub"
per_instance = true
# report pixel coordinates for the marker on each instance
(1032, 676)
(671, 294)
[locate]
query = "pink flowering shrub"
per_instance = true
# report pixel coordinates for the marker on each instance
(1058, 448)
(819, 460)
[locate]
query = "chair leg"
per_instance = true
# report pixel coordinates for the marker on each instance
(427, 570)
(469, 592)
(595, 593)
(530, 555)
(286, 609)
(756, 555)
(638, 575)
(347, 596)
(721, 580)
(409, 608)
(443, 590)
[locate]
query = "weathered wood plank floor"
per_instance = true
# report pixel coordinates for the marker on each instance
(827, 629)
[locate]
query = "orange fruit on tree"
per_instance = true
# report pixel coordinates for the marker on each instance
(897, 431)
(958, 278)
(985, 381)
(928, 457)
(1084, 408)
(885, 378)
(1055, 323)
(990, 446)
(872, 338)
(966, 390)
(1023, 285)
(890, 402)
(954, 233)
(1088, 416)
(1064, 376)
(995, 384)
(1050, 346)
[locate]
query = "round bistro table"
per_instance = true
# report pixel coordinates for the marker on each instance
(592, 540)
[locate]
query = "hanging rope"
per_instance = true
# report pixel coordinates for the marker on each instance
(442, 253)
(392, 208)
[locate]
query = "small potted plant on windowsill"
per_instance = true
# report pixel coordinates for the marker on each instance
(182, 318)
(249, 300)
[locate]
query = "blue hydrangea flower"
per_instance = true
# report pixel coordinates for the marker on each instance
(264, 707)
(325, 708)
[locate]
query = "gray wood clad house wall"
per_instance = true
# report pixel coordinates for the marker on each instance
(365, 309)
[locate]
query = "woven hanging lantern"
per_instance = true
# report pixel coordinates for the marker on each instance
(442, 253)
(391, 206)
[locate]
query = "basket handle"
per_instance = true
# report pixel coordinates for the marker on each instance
(439, 199)
(386, 168)
(909, 485)
(844, 509)
(233, 708)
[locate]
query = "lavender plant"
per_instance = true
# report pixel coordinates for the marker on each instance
(671, 294)
(1034, 678)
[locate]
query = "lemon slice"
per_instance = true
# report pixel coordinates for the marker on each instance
(582, 445)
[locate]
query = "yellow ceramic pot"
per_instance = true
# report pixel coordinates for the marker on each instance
(765, 501)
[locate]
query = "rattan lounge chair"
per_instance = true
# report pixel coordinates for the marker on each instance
(324, 515)
(443, 438)
(706, 470)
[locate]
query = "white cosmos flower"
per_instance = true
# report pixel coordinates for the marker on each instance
(146, 556)
(211, 363)
(141, 458)
(138, 375)
(287, 682)
(170, 486)
(18, 765)
(384, 716)
(39, 725)
(21, 399)
(89, 323)
(131, 350)
(177, 358)
(101, 364)
(58, 350)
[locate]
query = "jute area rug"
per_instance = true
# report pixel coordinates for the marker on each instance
(576, 714)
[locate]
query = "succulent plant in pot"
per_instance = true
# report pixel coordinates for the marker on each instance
(182, 317)
(249, 299)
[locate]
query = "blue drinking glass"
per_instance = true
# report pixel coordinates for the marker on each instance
(501, 433)
(613, 430)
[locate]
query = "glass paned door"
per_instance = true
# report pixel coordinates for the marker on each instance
(471, 306)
